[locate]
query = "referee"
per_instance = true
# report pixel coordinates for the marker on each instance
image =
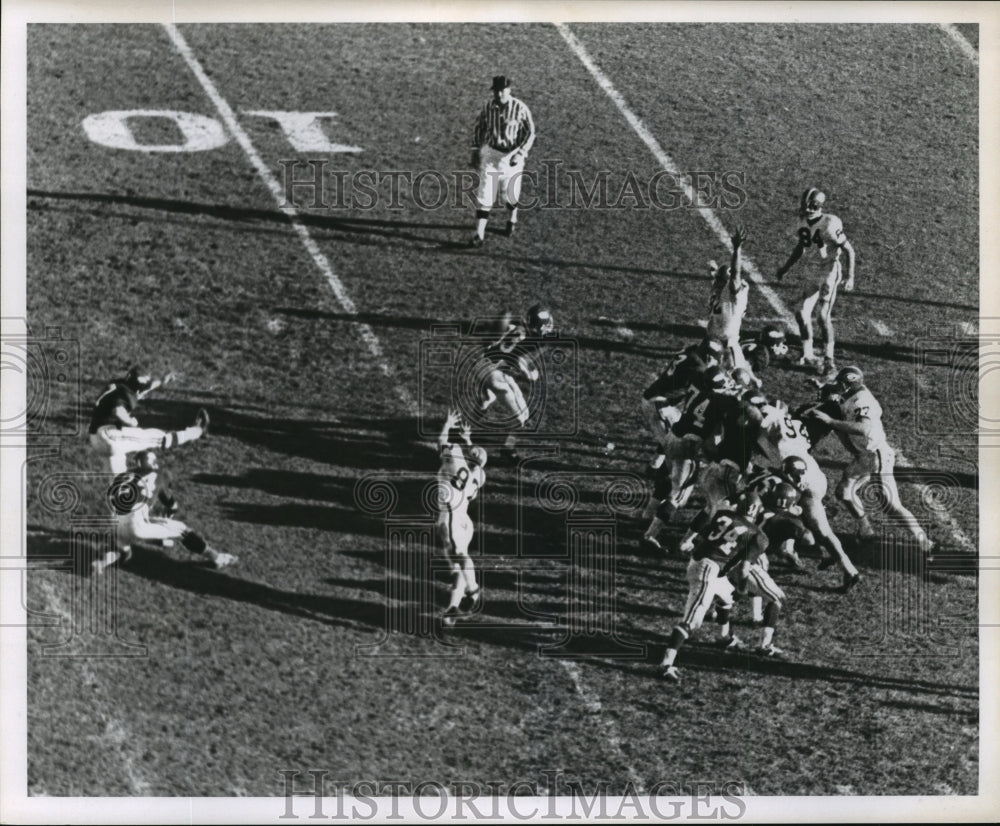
(503, 137)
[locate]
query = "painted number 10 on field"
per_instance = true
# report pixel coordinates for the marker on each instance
(191, 132)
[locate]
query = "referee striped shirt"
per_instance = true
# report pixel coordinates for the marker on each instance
(505, 126)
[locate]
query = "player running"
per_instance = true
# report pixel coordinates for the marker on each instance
(133, 496)
(874, 459)
(115, 432)
(514, 353)
(731, 537)
(728, 304)
(821, 240)
(459, 480)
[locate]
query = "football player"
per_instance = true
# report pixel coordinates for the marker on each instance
(784, 444)
(829, 403)
(731, 536)
(728, 304)
(874, 459)
(114, 430)
(663, 399)
(133, 495)
(700, 418)
(459, 480)
(513, 354)
(769, 346)
(727, 460)
(821, 240)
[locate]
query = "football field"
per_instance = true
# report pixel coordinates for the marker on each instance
(275, 213)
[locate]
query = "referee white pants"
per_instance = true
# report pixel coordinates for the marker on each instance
(498, 176)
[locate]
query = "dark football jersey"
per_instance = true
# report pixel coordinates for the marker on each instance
(739, 435)
(783, 526)
(703, 414)
(117, 394)
(729, 538)
(683, 372)
(815, 429)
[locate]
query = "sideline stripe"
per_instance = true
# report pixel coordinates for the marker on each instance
(323, 265)
(963, 43)
(666, 162)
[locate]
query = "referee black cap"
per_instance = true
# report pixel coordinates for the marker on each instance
(500, 82)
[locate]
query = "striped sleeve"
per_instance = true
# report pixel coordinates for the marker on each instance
(526, 131)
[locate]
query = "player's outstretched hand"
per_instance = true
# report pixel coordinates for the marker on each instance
(739, 236)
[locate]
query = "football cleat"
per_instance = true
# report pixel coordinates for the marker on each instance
(450, 616)
(651, 543)
(732, 644)
(670, 674)
(511, 227)
(201, 420)
(475, 242)
(770, 651)
(850, 582)
(471, 601)
(222, 560)
(808, 361)
(827, 370)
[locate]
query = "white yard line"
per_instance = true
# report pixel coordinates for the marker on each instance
(943, 518)
(319, 259)
(967, 48)
(592, 703)
(116, 738)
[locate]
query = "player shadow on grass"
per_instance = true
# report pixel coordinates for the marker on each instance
(338, 221)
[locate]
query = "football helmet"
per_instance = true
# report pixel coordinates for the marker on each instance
(710, 351)
(785, 495)
(849, 378)
(812, 203)
(754, 397)
(146, 462)
(540, 321)
(795, 469)
(773, 338)
(750, 506)
(830, 392)
(478, 456)
(137, 379)
(743, 378)
(717, 381)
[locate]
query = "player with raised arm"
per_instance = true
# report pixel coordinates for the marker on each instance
(114, 430)
(874, 459)
(459, 480)
(821, 240)
(133, 496)
(731, 536)
(728, 304)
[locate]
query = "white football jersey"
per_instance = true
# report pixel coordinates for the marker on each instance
(822, 239)
(458, 482)
(862, 406)
(726, 311)
(782, 436)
